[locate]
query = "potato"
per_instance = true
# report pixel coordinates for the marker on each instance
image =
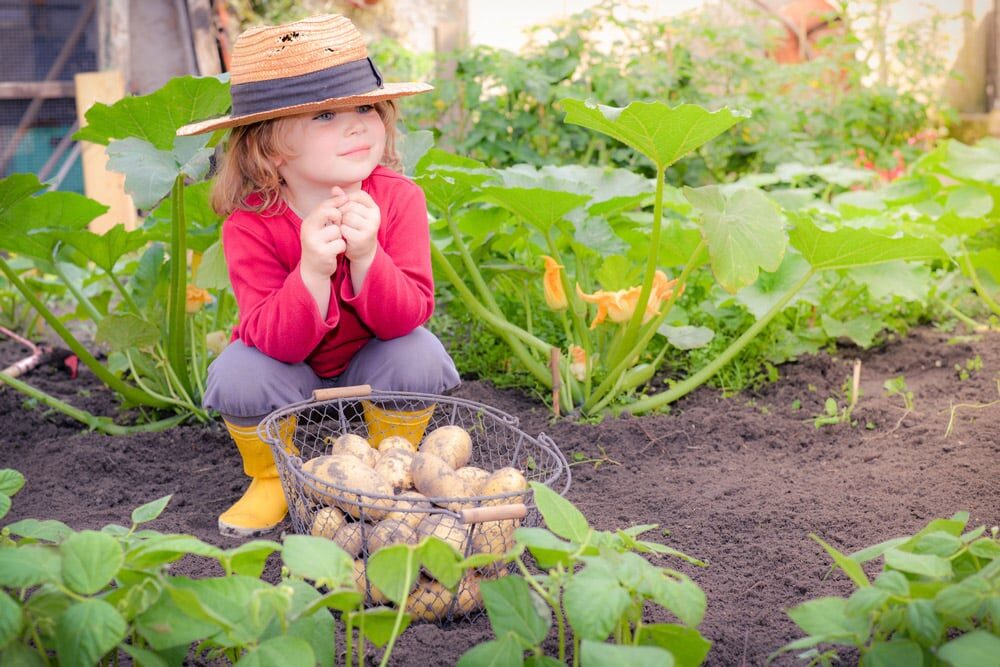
(351, 537)
(318, 491)
(494, 537)
(327, 522)
(452, 443)
(505, 480)
(361, 582)
(431, 601)
(444, 527)
(355, 445)
(394, 468)
(396, 442)
(390, 531)
(474, 476)
(427, 467)
(434, 478)
(410, 508)
(349, 472)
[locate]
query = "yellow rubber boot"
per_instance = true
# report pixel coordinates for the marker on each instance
(263, 505)
(383, 423)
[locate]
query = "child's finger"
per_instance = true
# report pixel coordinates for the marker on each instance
(362, 197)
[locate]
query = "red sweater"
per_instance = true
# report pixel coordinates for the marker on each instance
(279, 317)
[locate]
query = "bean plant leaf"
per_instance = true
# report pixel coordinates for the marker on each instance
(291, 651)
(511, 609)
(894, 653)
(122, 332)
(87, 631)
(979, 648)
(393, 570)
(679, 594)
(561, 517)
(846, 248)
(662, 133)
(318, 559)
(150, 511)
(687, 645)
(250, 558)
(11, 481)
(441, 560)
(599, 654)
(156, 117)
(380, 622)
(744, 233)
(150, 172)
(923, 564)
(547, 549)
(503, 652)
(28, 565)
(48, 530)
(11, 618)
(827, 617)
(590, 620)
(90, 560)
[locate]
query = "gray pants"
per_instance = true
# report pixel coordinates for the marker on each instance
(245, 385)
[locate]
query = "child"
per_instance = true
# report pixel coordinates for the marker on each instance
(328, 248)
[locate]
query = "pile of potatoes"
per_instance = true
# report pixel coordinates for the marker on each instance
(399, 485)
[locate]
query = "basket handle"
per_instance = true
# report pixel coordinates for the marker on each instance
(494, 513)
(354, 391)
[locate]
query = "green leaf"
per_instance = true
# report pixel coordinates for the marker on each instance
(687, 645)
(157, 116)
(938, 543)
(125, 331)
(161, 549)
(744, 232)
(250, 558)
(663, 134)
(48, 530)
(150, 511)
(21, 655)
(11, 618)
(5, 504)
(985, 548)
(547, 549)
(285, 651)
(686, 337)
(379, 623)
(906, 280)
(11, 481)
(772, 286)
(976, 163)
(538, 207)
(503, 652)
(512, 609)
(166, 624)
(861, 330)
(213, 272)
(28, 565)
(16, 187)
(827, 617)
(877, 550)
(87, 631)
(979, 648)
(393, 570)
(150, 173)
(90, 560)
(107, 248)
(599, 654)
(542, 661)
(924, 623)
(866, 600)
(964, 599)
(968, 201)
(846, 248)
(678, 594)
(894, 654)
(318, 559)
(561, 517)
(441, 559)
(143, 657)
(33, 226)
(590, 620)
(412, 146)
(893, 582)
(927, 565)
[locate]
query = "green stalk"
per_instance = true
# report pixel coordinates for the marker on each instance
(962, 317)
(95, 423)
(126, 297)
(113, 382)
(556, 607)
(398, 622)
(506, 330)
(81, 298)
(176, 353)
(623, 364)
(348, 638)
(632, 330)
(694, 381)
(198, 363)
(981, 290)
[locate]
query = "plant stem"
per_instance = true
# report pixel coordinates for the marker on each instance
(126, 297)
(102, 424)
(113, 382)
(556, 607)
(176, 353)
(398, 622)
(81, 298)
(682, 389)
(962, 317)
(981, 290)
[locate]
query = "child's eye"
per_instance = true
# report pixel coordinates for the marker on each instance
(365, 108)
(325, 115)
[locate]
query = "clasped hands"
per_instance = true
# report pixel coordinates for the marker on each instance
(344, 223)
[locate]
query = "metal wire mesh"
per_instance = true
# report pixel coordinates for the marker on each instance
(368, 502)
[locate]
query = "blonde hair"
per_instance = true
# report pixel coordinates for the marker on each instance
(247, 166)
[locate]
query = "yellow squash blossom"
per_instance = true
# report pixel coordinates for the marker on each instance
(620, 305)
(196, 299)
(578, 362)
(555, 295)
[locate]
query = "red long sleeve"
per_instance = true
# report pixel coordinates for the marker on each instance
(278, 315)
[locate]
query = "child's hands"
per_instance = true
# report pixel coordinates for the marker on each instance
(359, 225)
(321, 238)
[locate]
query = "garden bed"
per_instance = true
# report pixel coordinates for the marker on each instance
(739, 482)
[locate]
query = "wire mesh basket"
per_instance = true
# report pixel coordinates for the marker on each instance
(353, 463)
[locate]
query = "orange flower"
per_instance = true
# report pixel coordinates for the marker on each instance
(555, 295)
(196, 299)
(578, 363)
(620, 305)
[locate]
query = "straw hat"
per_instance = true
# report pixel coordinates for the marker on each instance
(300, 67)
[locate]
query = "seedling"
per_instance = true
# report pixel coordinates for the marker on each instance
(971, 366)
(897, 386)
(580, 457)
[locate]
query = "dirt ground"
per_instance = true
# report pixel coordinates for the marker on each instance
(739, 482)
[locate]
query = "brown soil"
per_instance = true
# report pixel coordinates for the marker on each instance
(739, 482)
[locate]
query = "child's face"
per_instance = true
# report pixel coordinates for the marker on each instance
(338, 146)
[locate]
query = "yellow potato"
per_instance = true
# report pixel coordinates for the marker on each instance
(318, 490)
(427, 467)
(397, 443)
(355, 445)
(410, 508)
(390, 531)
(431, 601)
(351, 537)
(434, 478)
(474, 476)
(444, 527)
(394, 467)
(349, 472)
(361, 582)
(327, 522)
(505, 480)
(452, 443)
(494, 537)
